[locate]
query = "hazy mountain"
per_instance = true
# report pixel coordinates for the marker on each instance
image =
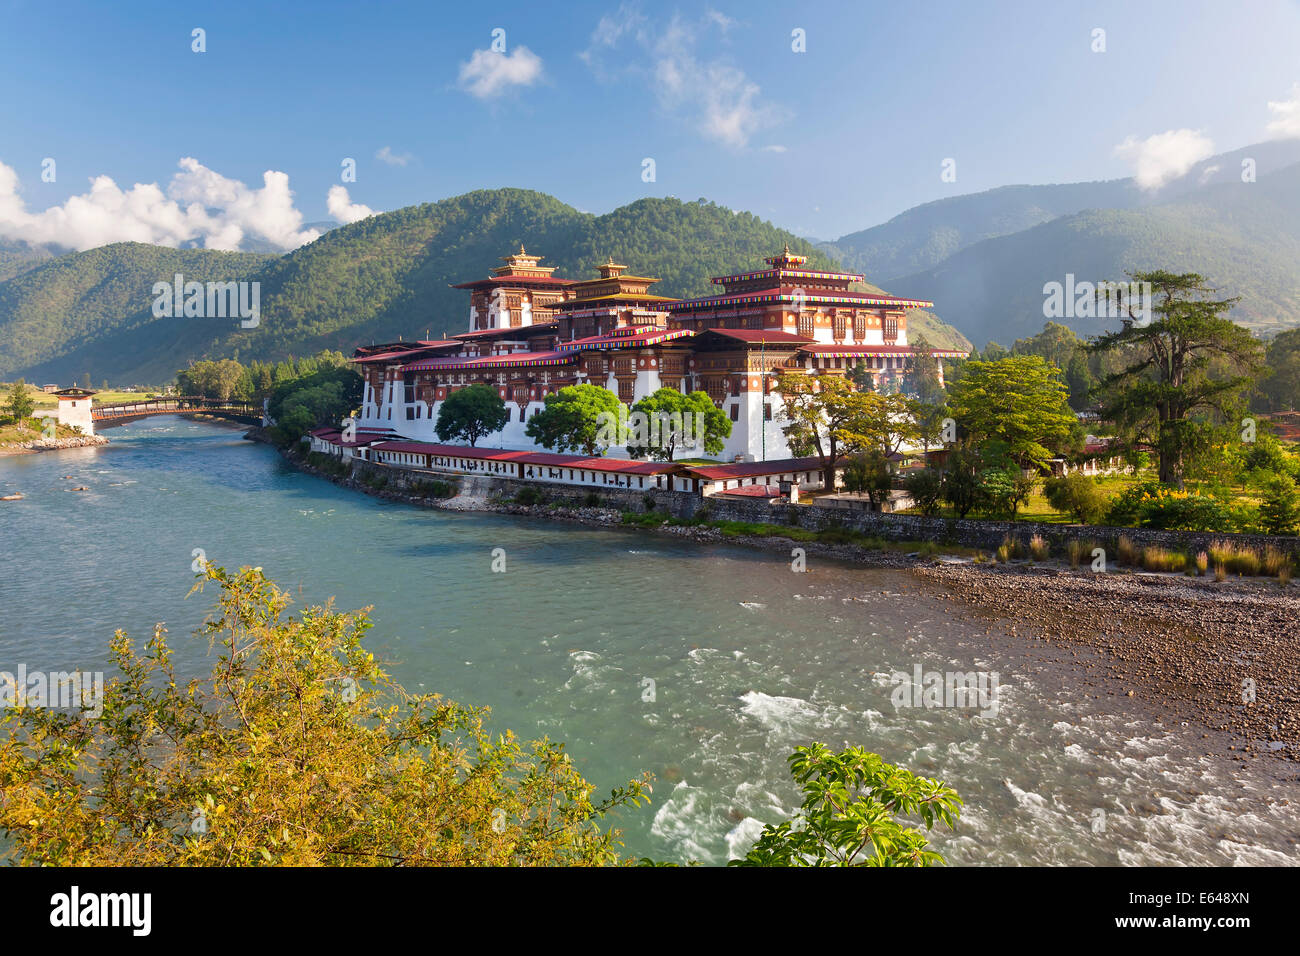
(374, 280)
(1244, 237)
(926, 235)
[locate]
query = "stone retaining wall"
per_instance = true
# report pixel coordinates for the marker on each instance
(971, 533)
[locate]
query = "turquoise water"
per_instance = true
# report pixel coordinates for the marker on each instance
(747, 658)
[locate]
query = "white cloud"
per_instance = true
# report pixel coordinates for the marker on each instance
(343, 209)
(386, 155)
(199, 206)
(1286, 113)
(1163, 157)
(715, 96)
(489, 74)
(774, 148)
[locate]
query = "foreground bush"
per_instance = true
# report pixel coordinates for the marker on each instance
(299, 750)
(849, 814)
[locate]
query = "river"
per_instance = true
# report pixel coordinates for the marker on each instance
(747, 658)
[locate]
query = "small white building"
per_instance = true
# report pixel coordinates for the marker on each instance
(75, 406)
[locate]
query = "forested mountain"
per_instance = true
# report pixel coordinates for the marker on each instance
(17, 257)
(88, 307)
(374, 280)
(1244, 237)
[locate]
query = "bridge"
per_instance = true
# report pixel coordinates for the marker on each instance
(119, 413)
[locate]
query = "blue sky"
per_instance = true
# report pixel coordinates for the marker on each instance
(824, 142)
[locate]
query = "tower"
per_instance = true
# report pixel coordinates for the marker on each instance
(74, 409)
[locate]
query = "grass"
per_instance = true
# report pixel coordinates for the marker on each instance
(45, 402)
(1080, 551)
(1162, 559)
(13, 434)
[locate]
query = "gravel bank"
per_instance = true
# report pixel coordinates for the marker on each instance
(1192, 649)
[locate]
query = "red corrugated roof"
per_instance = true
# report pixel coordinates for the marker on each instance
(753, 469)
(621, 465)
(521, 330)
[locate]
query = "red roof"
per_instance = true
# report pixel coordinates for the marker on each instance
(753, 491)
(508, 360)
(757, 336)
(397, 354)
(514, 280)
(646, 337)
(873, 350)
(621, 465)
(754, 469)
(521, 330)
(783, 295)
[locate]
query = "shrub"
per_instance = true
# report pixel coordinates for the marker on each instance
(1004, 552)
(925, 486)
(1078, 495)
(529, 496)
(1152, 505)
(1125, 551)
(1202, 563)
(592, 500)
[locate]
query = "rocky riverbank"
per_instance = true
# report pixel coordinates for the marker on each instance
(51, 444)
(1224, 657)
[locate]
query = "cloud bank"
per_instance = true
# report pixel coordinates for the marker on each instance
(198, 207)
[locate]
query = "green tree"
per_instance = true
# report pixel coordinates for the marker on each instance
(1078, 495)
(849, 814)
(673, 414)
(862, 377)
(298, 750)
(818, 409)
(961, 478)
(1281, 389)
(1279, 508)
(21, 405)
(868, 472)
(1019, 401)
(470, 413)
(880, 423)
(921, 379)
(576, 418)
(925, 487)
(1188, 363)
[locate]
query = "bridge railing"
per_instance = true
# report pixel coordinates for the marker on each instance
(173, 404)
